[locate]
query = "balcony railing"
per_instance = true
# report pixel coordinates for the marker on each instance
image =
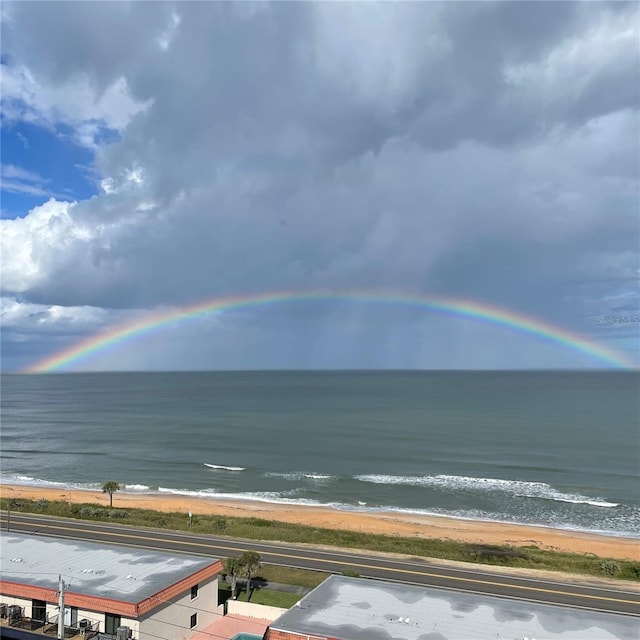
(49, 628)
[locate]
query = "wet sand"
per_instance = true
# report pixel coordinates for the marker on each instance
(389, 523)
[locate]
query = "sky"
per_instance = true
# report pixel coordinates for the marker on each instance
(156, 155)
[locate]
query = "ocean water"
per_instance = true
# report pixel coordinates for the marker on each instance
(559, 449)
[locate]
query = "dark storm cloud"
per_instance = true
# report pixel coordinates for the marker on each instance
(59, 40)
(482, 150)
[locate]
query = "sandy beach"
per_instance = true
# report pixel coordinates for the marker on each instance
(373, 522)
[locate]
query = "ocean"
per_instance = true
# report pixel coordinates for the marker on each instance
(559, 449)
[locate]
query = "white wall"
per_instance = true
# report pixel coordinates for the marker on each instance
(172, 620)
(96, 618)
(21, 602)
(25, 603)
(52, 614)
(260, 611)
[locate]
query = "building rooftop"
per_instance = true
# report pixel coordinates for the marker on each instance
(361, 609)
(120, 573)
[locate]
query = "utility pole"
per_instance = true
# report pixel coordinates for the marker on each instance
(61, 607)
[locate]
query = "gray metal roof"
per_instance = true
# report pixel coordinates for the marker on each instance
(359, 609)
(88, 568)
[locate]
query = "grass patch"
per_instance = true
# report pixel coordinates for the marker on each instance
(266, 596)
(528, 557)
(274, 598)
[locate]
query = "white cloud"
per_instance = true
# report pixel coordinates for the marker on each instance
(12, 172)
(23, 139)
(128, 180)
(166, 37)
(18, 180)
(76, 103)
(28, 244)
(27, 189)
(26, 318)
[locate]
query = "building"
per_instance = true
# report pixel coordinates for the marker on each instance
(155, 594)
(344, 608)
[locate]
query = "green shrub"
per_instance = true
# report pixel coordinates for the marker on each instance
(219, 525)
(631, 571)
(118, 514)
(610, 567)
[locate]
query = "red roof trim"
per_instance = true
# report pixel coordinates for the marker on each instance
(109, 605)
(92, 603)
(172, 591)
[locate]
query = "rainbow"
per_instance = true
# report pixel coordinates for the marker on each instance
(464, 308)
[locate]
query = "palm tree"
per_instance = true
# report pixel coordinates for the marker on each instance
(233, 567)
(251, 563)
(110, 487)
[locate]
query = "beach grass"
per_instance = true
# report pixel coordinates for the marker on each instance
(529, 557)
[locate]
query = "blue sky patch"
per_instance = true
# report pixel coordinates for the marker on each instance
(54, 165)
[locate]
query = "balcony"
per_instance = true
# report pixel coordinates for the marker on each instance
(49, 629)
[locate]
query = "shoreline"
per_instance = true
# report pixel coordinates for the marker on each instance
(374, 522)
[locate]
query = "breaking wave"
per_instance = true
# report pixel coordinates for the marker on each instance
(223, 467)
(516, 488)
(257, 496)
(136, 488)
(298, 475)
(30, 481)
(624, 521)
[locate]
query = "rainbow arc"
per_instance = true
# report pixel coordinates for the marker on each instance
(473, 310)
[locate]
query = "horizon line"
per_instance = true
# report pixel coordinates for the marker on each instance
(338, 370)
(468, 309)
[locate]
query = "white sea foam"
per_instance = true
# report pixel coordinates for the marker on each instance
(223, 467)
(516, 488)
(289, 498)
(202, 493)
(298, 475)
(134, 488)
(92, 486)
(260, 496)
(275, 497)
(38, 482)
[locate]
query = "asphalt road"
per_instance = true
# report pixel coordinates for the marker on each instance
(412, 571)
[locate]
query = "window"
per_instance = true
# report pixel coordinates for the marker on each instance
(111, 623)
(194, 620)
(194, 592)
(71, 616)
(39, 610)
